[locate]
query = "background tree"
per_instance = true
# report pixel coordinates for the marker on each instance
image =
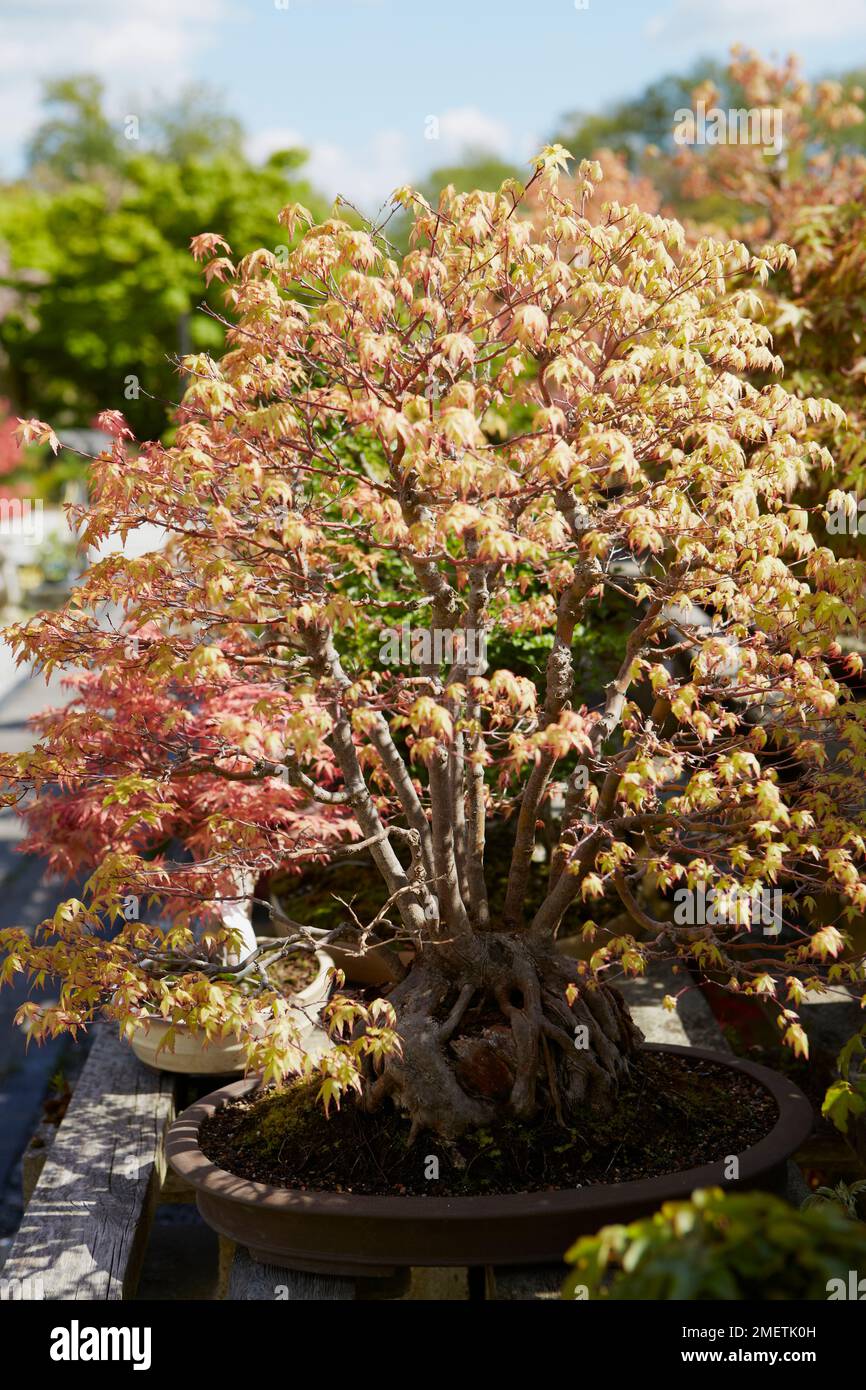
(628, 127)
(350, 431)
(106, 299)
(76, 140)
(476, 169)
(812, 198)
(79, 142)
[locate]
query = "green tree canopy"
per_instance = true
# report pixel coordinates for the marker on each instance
(629, 126)
(98, 252)
(478, 168)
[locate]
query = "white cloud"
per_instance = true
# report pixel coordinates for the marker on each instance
(267, 142)
(465, 127)
(366, 176)
(782, 23)
(369, 173)
(135, 49)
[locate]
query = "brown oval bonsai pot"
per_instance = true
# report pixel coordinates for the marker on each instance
(340, 1233)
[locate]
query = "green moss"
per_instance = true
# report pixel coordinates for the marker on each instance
(278, 1116)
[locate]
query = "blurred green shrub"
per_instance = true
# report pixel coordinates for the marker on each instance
(721, 1245)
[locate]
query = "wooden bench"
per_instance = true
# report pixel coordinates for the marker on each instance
(87, 1223)
(100, 1177)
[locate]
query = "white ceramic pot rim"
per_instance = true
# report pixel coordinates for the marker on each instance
(315, 993)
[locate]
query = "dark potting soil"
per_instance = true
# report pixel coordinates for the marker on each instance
(294, 972)
(674, 1113)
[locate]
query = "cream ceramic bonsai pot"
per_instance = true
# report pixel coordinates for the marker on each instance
(191, 1054)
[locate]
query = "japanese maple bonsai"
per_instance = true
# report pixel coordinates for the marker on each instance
(482, 436)
(123, 730)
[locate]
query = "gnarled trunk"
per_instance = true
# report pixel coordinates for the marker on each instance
(492, 1032)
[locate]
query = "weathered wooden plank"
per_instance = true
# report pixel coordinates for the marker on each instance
(250, 1281)
(526, 1283)
(34, 1157)
(87, 1222)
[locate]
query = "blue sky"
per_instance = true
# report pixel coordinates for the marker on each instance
(356, 80)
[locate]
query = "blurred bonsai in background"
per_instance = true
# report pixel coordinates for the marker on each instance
(811, 196)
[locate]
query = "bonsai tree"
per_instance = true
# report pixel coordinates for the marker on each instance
(481, 438)
(125, 728)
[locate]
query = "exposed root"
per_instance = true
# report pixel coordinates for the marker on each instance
(422, 1080)
(503, 1041)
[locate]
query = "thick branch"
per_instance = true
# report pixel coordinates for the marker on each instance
(560, 681)
(567, 886)
(470, 810)
(326, 662)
